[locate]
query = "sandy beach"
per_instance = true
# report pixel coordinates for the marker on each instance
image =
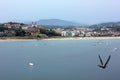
(66, 38)
(12, 40)
(85, 38)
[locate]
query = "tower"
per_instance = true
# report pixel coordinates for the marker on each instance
(34, 24)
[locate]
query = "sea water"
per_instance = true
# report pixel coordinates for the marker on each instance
(59, 60)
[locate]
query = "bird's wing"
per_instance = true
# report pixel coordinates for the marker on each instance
(100, 66)
(107, 60)
(100, 60)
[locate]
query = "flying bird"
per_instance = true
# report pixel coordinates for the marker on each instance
(104, 65)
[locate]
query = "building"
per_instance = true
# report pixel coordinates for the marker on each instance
(58, 30)
(9, 31)
(68, 33)
(64, 33)
(33, 29)
(12, 25)
(25, 27)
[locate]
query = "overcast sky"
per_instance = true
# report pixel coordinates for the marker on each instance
(83, 11)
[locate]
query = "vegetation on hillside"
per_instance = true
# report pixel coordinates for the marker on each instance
(49, 33)
(44, 32)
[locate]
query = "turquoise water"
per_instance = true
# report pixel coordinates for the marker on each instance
(59, 60)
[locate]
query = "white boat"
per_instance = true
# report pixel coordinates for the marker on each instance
(31, 64)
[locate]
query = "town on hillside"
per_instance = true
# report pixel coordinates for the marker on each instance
(20, 30)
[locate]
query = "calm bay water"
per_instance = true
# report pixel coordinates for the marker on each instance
(59, 60)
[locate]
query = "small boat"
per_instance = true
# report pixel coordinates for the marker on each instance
(31, 64)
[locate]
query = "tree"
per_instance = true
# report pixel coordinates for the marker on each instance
(10, 35)
(20, 32)
(49, 33)
(3, 28)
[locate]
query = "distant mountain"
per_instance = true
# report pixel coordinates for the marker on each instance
(110, 24)
(56, 22)
(107, 24)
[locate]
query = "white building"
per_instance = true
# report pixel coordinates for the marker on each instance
(63, 33)
(24, 27)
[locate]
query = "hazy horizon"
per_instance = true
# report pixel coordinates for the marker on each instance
(80, 11)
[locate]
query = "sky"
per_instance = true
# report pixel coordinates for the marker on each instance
(82, 11)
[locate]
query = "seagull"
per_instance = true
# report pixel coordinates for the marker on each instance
(104, 65)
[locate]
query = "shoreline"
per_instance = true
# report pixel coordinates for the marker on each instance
(14, 40)
(85, 38)
(66, 38)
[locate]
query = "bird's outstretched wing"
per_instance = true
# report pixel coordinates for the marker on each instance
(100, 66)
(100, 60)
(107, 60)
